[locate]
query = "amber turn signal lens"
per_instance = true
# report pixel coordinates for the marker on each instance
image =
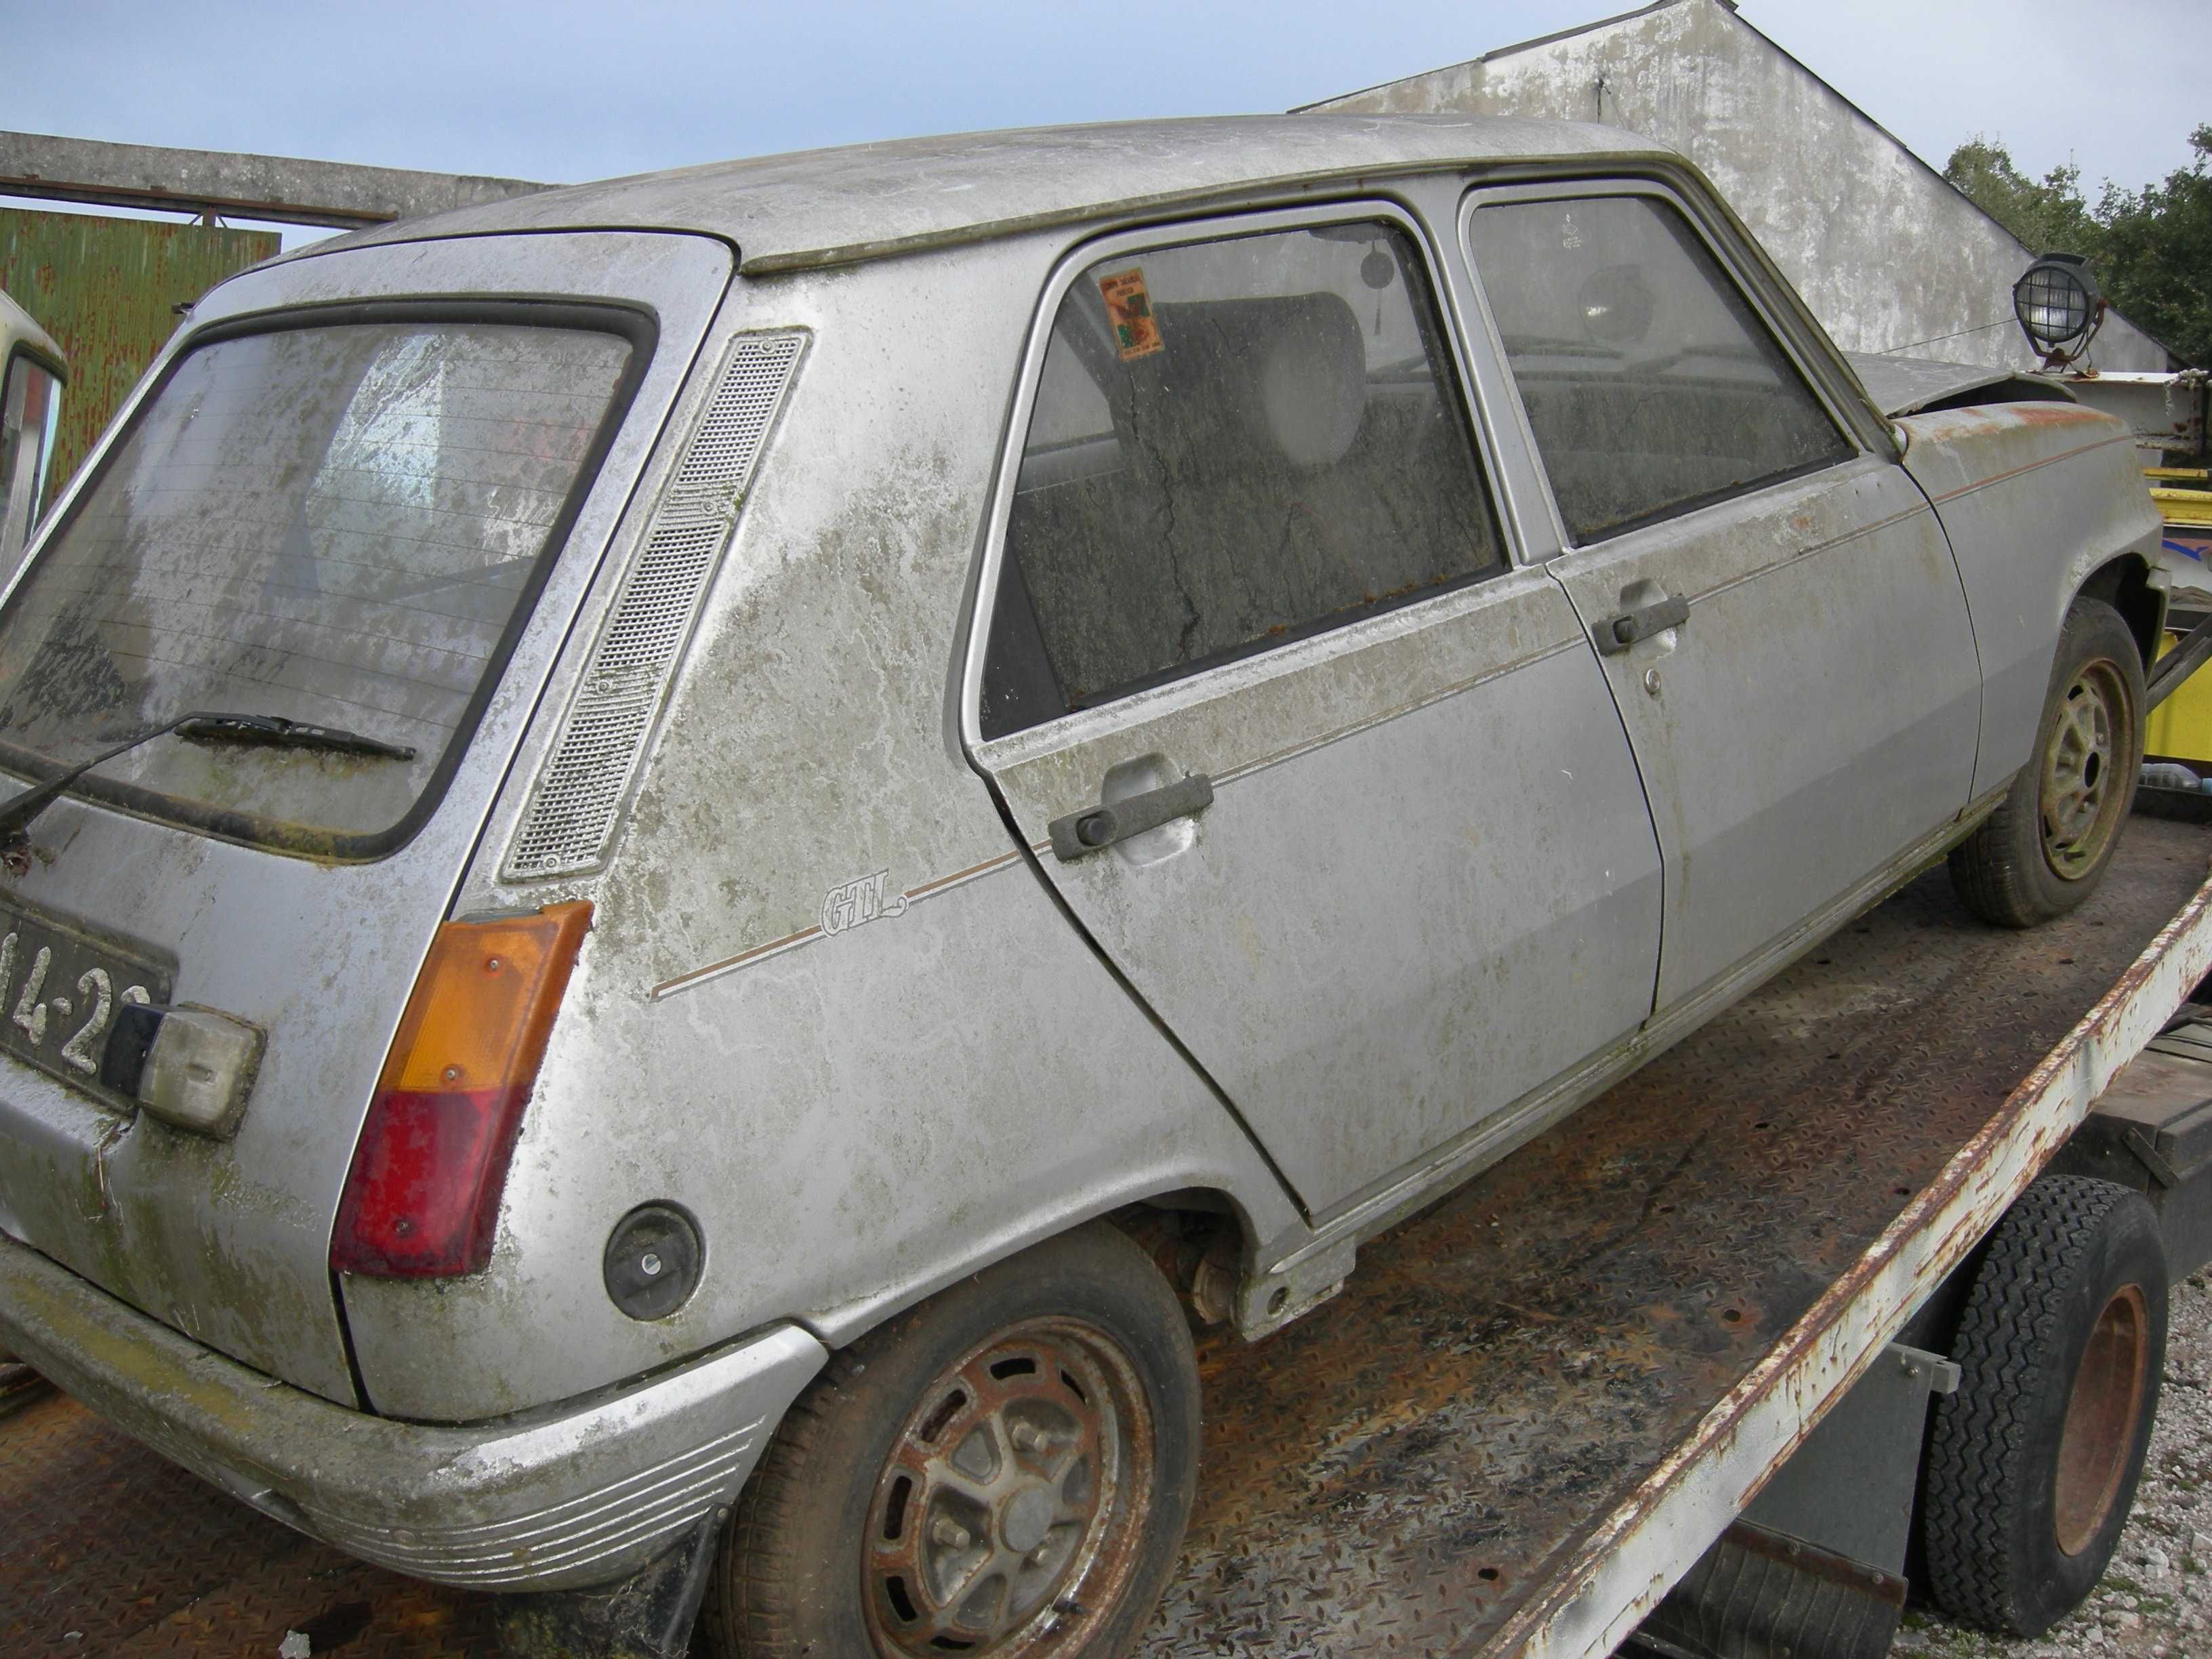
(422, 1196)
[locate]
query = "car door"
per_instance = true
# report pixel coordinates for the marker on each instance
(1334, 783)
(1779, 617)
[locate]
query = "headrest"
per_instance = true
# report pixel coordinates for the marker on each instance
(1291, 370)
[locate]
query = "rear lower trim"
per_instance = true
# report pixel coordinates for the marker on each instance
(562, 1498)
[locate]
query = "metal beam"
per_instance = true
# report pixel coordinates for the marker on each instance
(268, 187)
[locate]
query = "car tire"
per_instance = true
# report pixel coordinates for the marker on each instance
(1007, 1466)
(2046, 847)
(2033, 1463)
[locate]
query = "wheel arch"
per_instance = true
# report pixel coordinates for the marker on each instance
(2124, 583)
(1165, 1215)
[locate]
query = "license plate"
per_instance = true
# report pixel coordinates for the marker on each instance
(60, 986)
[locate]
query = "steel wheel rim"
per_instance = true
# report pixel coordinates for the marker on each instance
(1009, 1513)
(2102, 1414)
(2084, 784)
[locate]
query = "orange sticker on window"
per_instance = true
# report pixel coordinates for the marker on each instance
(1129, 309)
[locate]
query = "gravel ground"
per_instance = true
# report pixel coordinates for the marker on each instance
(2156, 1599)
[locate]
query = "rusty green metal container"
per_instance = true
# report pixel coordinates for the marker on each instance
(107, 290)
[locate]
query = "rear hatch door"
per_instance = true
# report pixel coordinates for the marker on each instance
(368, 489)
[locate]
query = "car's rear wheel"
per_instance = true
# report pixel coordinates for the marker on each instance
(2046, 847)
(1006, 1469)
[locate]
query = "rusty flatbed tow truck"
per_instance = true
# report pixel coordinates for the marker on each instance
(1537, 1407)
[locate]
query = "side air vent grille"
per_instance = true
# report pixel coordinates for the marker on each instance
(572, 812)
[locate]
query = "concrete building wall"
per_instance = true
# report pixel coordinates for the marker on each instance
(1889, 256)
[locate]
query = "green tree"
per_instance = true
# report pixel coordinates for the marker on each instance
(2155, 260)
(2152, 248)
(2048, 214)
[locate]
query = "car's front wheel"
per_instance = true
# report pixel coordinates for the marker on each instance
(1005, 1470)
(2045, 848)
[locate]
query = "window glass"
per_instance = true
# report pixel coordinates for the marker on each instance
(1234, 443)
(1651, 383)
(30, 410)
(337, 524)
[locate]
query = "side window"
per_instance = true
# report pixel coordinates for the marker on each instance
(30, 407)
(1651, 383)
(1235, 443)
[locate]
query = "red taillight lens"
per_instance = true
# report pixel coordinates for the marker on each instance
(423, 1192)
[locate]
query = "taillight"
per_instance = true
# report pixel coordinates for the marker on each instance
(423, 1192)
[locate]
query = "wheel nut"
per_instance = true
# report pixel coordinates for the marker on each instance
(1030, 1439)
(949, 1533)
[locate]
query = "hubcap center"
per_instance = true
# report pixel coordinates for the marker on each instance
(1028, 1518)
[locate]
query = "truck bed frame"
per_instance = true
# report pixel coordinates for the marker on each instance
(1534, 1405)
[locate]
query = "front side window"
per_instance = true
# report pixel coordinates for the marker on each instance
(1650, 384)
(1234, 443)
(339, 523)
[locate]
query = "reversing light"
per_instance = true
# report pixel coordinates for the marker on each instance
(190, 1067)
(423, 1192)
(2059, 307)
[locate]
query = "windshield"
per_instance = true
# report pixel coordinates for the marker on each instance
(340, 523)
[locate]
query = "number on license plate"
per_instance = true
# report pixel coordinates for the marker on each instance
(46, 1020)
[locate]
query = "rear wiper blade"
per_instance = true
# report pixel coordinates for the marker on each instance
(276, 730)
(208, 726)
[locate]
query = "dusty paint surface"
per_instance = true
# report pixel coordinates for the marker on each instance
(229, 1241)
(2021, 486)
(1396, 1472)
(1420, 1455)
(106, 289)
(1889, 256)
(881, 1103)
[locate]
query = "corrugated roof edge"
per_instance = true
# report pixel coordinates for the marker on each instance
(812, 209)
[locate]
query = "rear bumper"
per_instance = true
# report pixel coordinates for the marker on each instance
(570, 1495)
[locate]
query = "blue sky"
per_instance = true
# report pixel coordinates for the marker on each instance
(566, 90)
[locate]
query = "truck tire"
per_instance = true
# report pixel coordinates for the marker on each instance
(2033, 1463)
(2046, 847)
(1007, 1466)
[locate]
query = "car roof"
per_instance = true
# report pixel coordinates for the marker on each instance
(826, 207)
(18, 327)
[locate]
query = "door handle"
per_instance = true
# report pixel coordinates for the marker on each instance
(1618, 633)
(1079, 835)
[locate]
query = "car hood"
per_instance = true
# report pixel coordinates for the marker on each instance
(1905, 386)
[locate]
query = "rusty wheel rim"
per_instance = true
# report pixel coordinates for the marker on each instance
(2084, 782)
(2102, 1414)
(1012, 1505)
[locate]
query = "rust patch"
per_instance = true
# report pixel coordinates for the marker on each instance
(2053, 414)
(104, 1538)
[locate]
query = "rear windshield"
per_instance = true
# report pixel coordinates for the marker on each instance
(342, 524)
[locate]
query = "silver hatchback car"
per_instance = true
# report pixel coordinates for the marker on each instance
(718, 845)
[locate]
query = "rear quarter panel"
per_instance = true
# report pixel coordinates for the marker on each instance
(2035, 498)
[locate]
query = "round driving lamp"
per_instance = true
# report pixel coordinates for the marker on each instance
(2057, 303)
